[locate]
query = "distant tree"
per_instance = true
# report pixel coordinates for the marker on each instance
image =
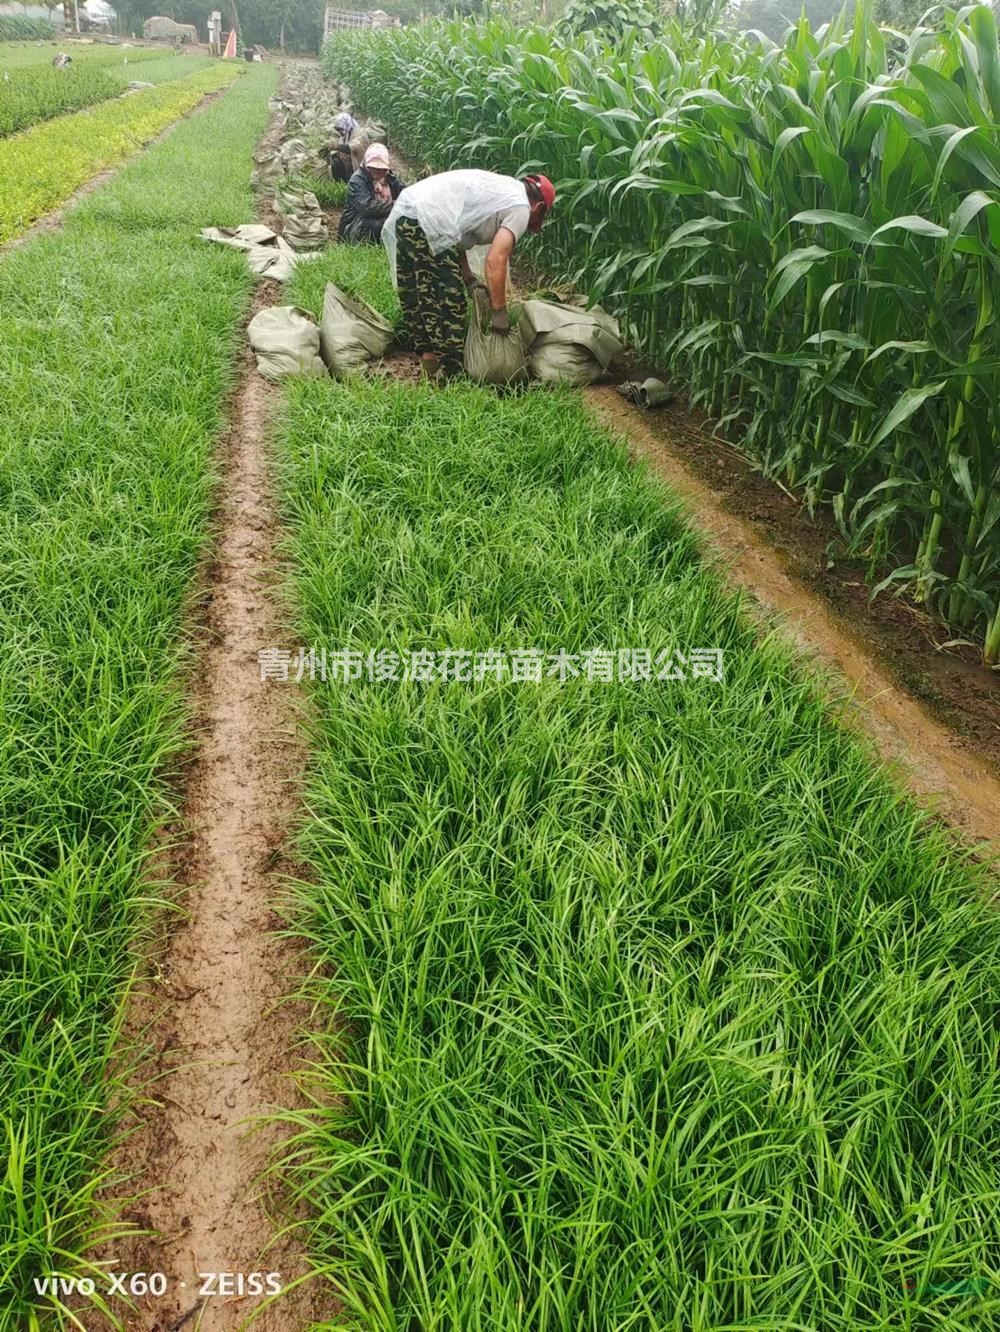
(259, 22)
(774, 17)
(610, 18)
(698, 16)
(901, 14)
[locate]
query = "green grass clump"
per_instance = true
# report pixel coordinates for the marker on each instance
(117, 343)
(41, 168)
(657, 1006)
(330, 193)
(359, 270)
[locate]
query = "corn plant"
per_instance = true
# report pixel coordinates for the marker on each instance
(808, 230)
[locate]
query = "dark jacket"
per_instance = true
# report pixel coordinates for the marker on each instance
(363, 217)
(339, 169)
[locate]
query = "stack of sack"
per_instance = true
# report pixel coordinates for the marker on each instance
(567, 344)
(303, 224)
(557, 342)
(293, 158)
(267, 253)
(363, 137)
(286, 341)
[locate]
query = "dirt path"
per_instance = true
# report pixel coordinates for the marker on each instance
(224, 1045)
(933, 762)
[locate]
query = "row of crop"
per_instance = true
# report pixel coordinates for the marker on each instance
(43, 166)
(16, 55)
(18, 28)
(38, 93)
(41, 92)
(117, 340)
(624, 1039)
(810, 232)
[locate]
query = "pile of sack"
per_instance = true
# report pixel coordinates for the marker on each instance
(303, 223)
(558, 342)
(268, 254)
(363, 137)
(286, 341)
(292, 158)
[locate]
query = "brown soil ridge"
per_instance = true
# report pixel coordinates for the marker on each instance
(945, 775)
(226, 1043)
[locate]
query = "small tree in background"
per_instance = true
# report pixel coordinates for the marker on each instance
(612, 19)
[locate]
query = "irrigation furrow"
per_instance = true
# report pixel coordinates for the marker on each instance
(224, 1040)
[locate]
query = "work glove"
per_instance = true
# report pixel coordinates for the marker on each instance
(500, 322)
(473, 283)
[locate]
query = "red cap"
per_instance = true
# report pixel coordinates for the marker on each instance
(547, 190)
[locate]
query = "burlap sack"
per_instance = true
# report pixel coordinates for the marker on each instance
(286, 342)
(490, 357)
(568, 345)
(351, 332)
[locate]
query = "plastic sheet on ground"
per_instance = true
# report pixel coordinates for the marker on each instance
(566, 344)
(268, 254)
(351, 332)
(286, 342)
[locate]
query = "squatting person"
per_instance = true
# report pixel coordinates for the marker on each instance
(371, 192)
(341, 165)
(432, 226)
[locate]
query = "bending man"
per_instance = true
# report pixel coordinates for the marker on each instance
(428, 234)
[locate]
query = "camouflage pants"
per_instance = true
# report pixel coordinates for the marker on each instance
(432, 294)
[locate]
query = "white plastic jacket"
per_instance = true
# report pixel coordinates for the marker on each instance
(458, 209)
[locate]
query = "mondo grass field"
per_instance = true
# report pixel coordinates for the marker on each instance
(18, 54)
(117, 342)
(655, 1005)
(42, 167)
(35, 93)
